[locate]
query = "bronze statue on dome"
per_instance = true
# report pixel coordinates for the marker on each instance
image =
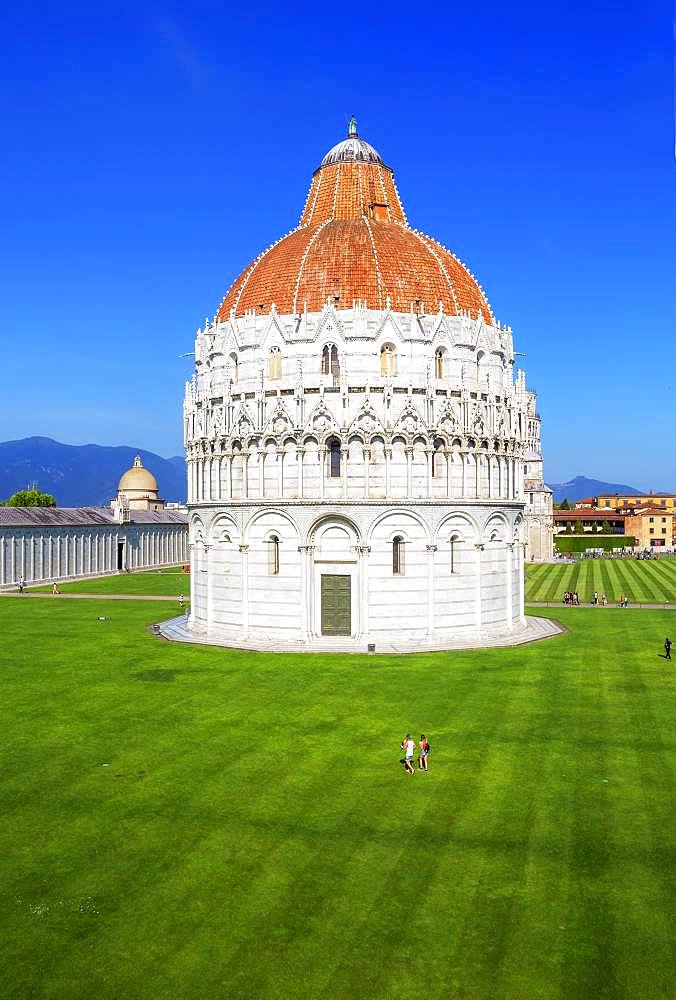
(352, 128)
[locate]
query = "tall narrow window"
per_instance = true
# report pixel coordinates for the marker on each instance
(273, 555)
(234, 368)
(439, 363)
(330, 363)
(438, 464)
(454, 554)
(274, 363)
(398, 556)
(334, 458)
(387, 359)
(479, 359)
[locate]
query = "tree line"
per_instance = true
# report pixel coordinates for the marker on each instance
(29, 498)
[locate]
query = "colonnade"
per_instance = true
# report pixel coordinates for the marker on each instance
(44, 555)
(304, 472)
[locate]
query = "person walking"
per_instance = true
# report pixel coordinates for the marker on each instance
(408, 746)
(667, 648)
(424, 752)
(604, 600)
(595, 598)
(181, 601)
(55, 589)
(22, 585)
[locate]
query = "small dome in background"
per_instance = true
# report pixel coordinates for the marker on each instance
(138, 479)
(352, 150)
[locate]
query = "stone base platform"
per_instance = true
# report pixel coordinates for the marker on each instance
(534, 629)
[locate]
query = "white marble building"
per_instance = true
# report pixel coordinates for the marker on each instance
(356, 436)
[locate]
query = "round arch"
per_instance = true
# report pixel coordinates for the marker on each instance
(278, 512)
(403, 513)
(329, 519)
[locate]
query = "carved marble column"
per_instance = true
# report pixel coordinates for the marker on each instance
(321, 454)
(477, 593)
(522, 596)
(306, 553)
(363, 552)
(431, 549)
(209, 596)
(191, 561)
(245, 473)
(244, 549)
(228, 485)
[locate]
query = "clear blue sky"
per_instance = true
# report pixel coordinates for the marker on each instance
(151, 150)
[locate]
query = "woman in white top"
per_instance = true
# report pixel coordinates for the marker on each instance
(408, 746)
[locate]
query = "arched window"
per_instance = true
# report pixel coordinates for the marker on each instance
(330, 363)
(334, 458)
(234, 368)
(273, 555)
(388, 359)
(438, 465)
(439, 363)
(479, 361)
(454, 542)
(398, 555)
(274, 363)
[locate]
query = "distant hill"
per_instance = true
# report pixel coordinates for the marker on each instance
(581, 487)
(82, 475)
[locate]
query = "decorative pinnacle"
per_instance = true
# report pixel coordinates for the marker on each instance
(352, 128)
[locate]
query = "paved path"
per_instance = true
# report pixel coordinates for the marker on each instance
(93, 597)
(534, 629)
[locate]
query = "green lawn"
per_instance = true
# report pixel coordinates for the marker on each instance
(253, 836)
(651, 581)
(159, 582)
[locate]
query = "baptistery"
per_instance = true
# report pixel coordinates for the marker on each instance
(358, 441)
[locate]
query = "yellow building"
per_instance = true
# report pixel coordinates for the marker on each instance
(618, 501)
(650, 526)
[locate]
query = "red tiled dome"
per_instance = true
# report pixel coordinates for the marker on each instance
(354, 244)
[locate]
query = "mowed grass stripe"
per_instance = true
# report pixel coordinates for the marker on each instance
(659, 577)
(606, 580)
(632, 584)
(649, 580)
(665, 571)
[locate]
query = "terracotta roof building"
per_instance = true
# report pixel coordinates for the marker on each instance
(364, 461)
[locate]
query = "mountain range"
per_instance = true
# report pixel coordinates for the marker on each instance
(580, 487)
(88, 474)
(82, 475)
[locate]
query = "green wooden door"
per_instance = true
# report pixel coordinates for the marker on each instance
(336, 605)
